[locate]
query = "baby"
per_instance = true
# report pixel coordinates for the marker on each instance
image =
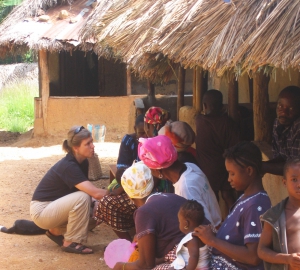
(191, 253)
(279, 245)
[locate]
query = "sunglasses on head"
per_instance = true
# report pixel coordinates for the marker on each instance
(76, 131)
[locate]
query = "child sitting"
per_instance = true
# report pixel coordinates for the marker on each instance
(191, 253)
(279, 245)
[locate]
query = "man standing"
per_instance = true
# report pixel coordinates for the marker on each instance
(216, 131)
(286, 130)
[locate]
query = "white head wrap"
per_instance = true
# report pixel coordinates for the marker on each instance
(137, 181)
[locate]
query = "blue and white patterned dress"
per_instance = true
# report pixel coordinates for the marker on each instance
(241, 226)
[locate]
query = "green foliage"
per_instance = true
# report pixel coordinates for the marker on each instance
(17, 107)
(29, 57)
(6, 6)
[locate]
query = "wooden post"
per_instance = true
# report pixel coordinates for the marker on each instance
(180, 94)
(44, 85)
(261, 117)
(128, 73)
(151, 92)
(250, 89)
(201, 88)
(233, 97)
(194, 87)
(151, 89)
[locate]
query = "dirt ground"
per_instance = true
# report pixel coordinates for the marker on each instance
(23, 162)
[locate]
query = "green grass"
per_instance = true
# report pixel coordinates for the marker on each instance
(17, 107)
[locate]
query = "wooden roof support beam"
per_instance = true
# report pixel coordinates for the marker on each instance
(200, 87)
(44, 90)
(129, 87)
(180, 94)
(233, 97)
(151, 92)
(194, 87)
(261, 113)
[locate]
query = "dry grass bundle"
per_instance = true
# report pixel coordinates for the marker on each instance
(127, 28)
(182, 30)
(155, 67)
(189, 35)
(276, 41)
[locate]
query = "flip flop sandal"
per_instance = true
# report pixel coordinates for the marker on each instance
(58, 239)
(72, 249)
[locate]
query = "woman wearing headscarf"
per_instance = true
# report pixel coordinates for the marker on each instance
(156, 222)
(116, 209)
(155, 118)
(188, 180)
(182, 137)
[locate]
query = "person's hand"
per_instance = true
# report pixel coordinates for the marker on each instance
(294, 260)
(204, 233)
(135, 240)
(118, 266)
(116, 191)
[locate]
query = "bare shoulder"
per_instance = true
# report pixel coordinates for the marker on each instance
(292, 216)
(195, 241)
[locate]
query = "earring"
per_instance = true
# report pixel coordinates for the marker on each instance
(186, 227)
(160, 176)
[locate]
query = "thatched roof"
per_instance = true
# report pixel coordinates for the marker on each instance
(26, 26)
(155, 36)
(276, 41)
(207, 33)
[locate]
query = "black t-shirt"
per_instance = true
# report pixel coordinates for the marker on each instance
(61, 179)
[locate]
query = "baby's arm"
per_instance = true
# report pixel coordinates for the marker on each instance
(193, 248)
(267, 254)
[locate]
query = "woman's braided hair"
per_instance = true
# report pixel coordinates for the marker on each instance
(193, 211)
(245, 154)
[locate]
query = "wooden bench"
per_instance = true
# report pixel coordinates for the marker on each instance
(112, 172)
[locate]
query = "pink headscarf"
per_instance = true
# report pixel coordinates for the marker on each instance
(157, 152)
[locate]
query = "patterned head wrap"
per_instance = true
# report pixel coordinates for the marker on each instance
(180, 133)
(157, 152)
(156, 116)
(137, 181)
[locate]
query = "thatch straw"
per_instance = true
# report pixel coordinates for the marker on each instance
(152, 36)
(276, 41)
(16, 36)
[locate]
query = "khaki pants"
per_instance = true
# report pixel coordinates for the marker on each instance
(69, 214)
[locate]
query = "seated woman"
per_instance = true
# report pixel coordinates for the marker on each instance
(235, 245)
(155, 119)
(182, 137)
(188, 180)
(61, 202)
(129, 144)
(157, 226)
(116, 209)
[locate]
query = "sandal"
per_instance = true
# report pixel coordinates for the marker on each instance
(72, 249)
(58, 239)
